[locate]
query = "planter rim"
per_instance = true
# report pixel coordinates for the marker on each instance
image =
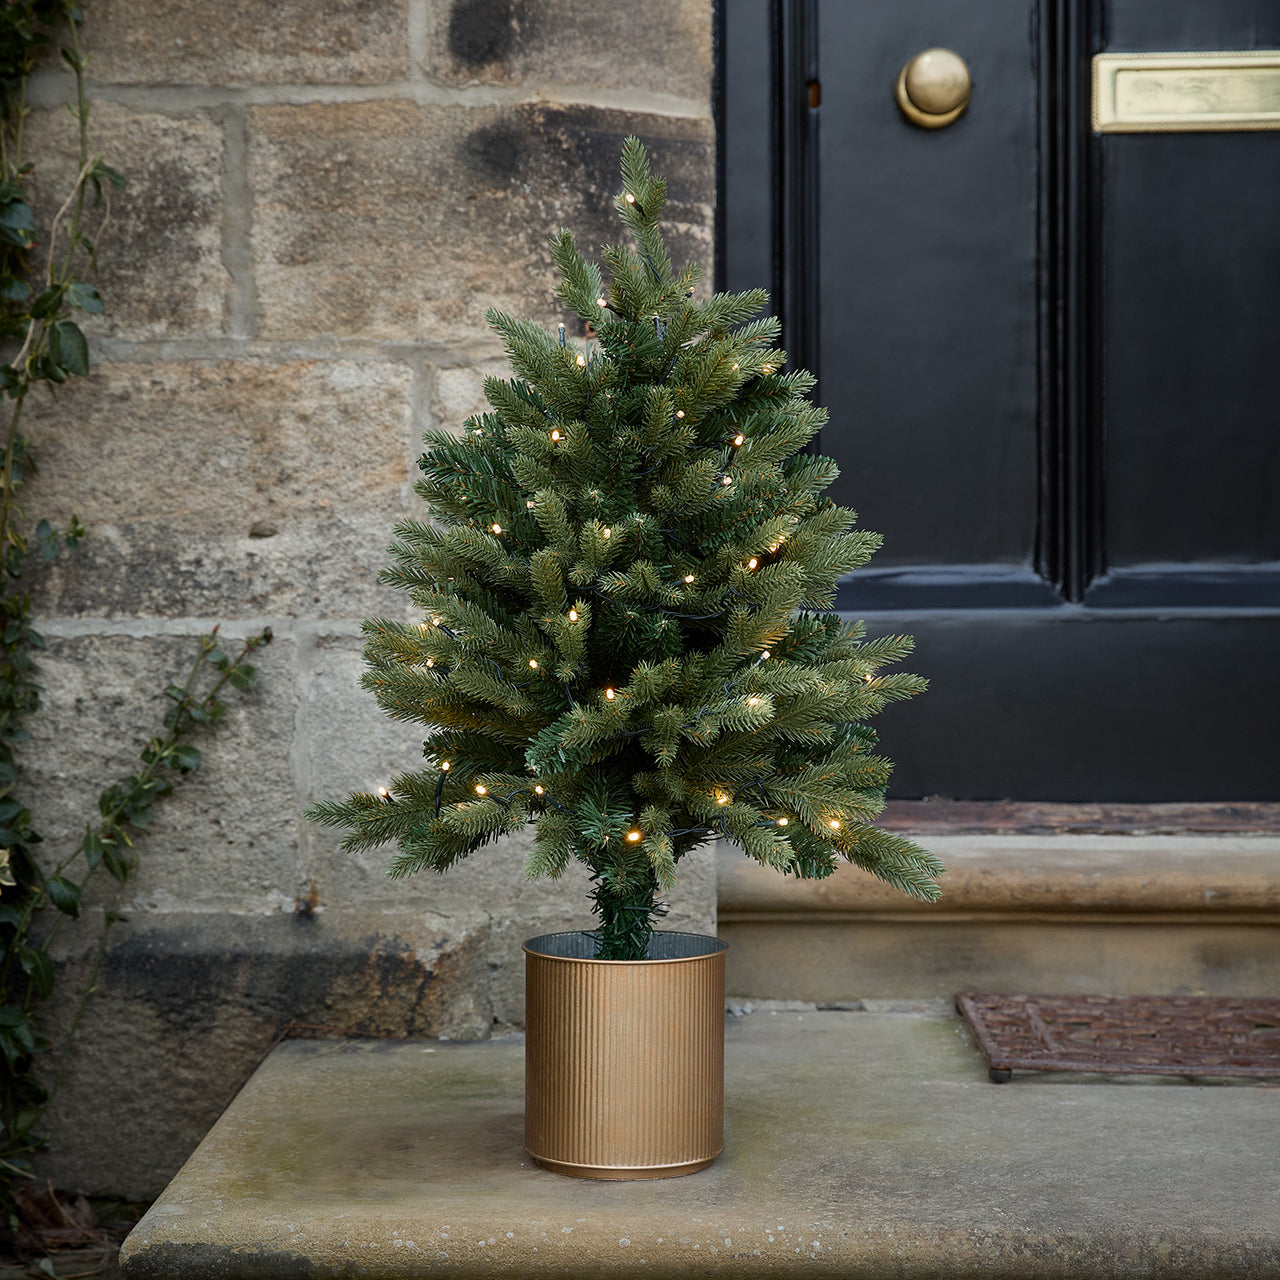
(710, 947)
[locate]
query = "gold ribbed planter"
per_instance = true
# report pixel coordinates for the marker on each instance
(624, 1059)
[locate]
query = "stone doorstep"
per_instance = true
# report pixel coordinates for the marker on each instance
(1074, 914)
(1216, 877)
(857, 1145)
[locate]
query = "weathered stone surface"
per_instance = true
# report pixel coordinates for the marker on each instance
(160, 258)
(229, 489)
(187, 1003)
(1158, 915)
(458, 392)
(857, 1145)
(238, 42)
(1222, 875)
(394, 220)
(227, 838)
(662, 46)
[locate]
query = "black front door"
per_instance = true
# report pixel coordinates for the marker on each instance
(1052, 362)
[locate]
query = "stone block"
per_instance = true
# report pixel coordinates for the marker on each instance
(235, 42)
(226, 489)
(160, 269)
(656, 46)
(395, 220)
(458, 391)
(186, 1004)
(227, 837)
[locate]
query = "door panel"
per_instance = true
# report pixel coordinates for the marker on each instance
(1191, 325)
(1190, 276)
(1049, 361)
(927, 286)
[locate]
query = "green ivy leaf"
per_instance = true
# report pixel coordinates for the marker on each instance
(23, 1121)
(92, 847)
(115, 862)
(73, 350)
(112, 176)
(47, 540)
(243, 676)
(17, 224)
(37, 963)
(64, 895)
(83, 295)
(185, 758)
(47, 302)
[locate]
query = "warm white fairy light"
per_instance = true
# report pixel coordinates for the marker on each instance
(722, 799)
(431, 662)
(384, 793)
(436, 621)
(533, 662)
(445, 766)
(481, 790)
(573, 615)
(582, 361)
(555, 435)
(766, 654)
(782, 822)
(633, 836)
(726, 479)
(753, 563)
(529, 505)
(679, 413)
(629, 198)
(834, 825)
(753, 702)
(738, 439)
(539, 791)
(600, 302)
(610, 694)
(497, 528)
(688, 577)
(606, 533)
(766, 368)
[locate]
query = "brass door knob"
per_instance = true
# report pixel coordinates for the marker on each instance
(934, 88)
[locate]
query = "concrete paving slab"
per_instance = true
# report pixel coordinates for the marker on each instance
(858, 1144)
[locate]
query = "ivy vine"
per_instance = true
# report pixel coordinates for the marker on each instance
(44, 284)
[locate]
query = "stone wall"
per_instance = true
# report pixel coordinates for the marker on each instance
(322, 200)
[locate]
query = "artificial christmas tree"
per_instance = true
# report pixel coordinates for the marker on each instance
(625, 634)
